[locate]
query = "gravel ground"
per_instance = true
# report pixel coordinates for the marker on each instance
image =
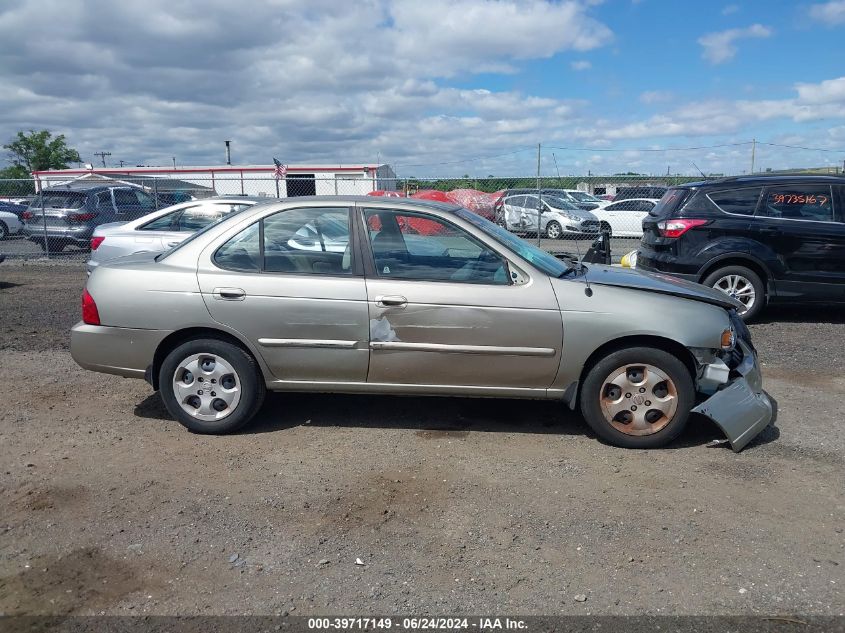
(453, 505)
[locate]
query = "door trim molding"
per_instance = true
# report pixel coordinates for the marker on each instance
(398, 346)
(306, 342)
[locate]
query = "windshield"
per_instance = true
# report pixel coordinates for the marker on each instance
(236, 210)
(536, 256)
(559, 203)
(581, 196)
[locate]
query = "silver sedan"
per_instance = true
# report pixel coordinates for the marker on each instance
(162, 229)
(393, 296)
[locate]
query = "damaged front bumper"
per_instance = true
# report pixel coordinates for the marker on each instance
(739, 407)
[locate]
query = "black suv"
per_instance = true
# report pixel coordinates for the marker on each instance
(71, 212)
(760, 239)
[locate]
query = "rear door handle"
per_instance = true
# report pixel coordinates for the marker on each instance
(770, 230)
(392, 301)
(229, 294)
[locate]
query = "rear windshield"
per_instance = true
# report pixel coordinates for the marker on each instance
(670, 202)
(58, 200)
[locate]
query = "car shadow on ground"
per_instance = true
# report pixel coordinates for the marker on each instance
(434, 417)
(806, 313)
(5, 285)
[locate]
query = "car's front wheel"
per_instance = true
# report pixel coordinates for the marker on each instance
(211, 386)
(638, 397)
(553, 230)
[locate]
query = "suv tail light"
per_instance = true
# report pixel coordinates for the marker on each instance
(95, 242)
(90, 315)
(677, 227)
(27, 215)
(80, 217)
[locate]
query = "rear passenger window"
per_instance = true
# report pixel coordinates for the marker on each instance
(737, 201)
(812, 203)
(311, 240)
(242, 252)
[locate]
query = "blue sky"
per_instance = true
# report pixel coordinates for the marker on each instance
(442, 87)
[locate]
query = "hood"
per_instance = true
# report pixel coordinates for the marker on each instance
(575, 213)
(657, 282)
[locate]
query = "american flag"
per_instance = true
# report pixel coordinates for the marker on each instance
(281, 170)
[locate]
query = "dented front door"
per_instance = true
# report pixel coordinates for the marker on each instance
(443, 314)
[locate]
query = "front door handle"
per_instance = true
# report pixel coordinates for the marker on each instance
(229, 294)
(392, 301)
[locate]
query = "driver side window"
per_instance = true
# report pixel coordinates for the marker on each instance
(416, 246)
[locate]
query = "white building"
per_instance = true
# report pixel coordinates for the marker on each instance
(252, 180)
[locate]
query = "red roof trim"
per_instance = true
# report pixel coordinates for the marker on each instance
(198, 170)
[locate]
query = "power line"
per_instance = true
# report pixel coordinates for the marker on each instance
(647, 149)
(810, 149)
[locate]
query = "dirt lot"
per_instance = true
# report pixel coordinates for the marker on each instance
(467, 506)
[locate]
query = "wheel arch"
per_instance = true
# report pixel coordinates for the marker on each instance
(177, 338)
(738, 259)
(639, 340)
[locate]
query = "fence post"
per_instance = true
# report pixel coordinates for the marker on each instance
(539, 197)
(44, 225)
(155, 191)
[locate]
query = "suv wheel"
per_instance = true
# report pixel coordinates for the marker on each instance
(741, 283)
(4, 231)
(638, 397)
(211, 386)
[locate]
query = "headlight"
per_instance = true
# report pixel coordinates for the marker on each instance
(728, 339)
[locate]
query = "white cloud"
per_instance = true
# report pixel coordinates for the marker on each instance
(655, 96)
(730, 9)
(830, 13)
(720, 47)
(581, 64)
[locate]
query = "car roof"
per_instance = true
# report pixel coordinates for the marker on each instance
(83, 185)
(371, 200)
(635, 199)
(765, 180)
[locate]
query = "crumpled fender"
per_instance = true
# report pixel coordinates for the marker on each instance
(741, 409)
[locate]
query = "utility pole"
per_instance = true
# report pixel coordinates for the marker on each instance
(753, 151)
(102, 155)
(228, 152)
(539, 196)
(121, 163)
(174, 162)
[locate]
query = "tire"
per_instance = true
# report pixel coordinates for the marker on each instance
(230, 363)
(4, 231)
(641, 427)
(554, 231)
(605, 227)
(740, 278)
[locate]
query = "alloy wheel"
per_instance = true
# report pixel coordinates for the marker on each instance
(638, 399)
(739, 288)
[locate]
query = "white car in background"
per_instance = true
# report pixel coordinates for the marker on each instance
(558, 217)
(10, 224)
(625, 218)
(162, 229)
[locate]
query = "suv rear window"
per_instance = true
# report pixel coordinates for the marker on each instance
(737, 201)
(669, 202)
(59, 200)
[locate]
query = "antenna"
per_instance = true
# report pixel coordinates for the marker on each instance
(699, 171)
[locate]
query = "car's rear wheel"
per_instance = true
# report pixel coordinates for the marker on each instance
(638, 397)
(211, 386)
(741, 283)
(553, 230)
(4, 231)
(52, 245)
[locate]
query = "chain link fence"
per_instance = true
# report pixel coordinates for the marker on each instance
(57, 219)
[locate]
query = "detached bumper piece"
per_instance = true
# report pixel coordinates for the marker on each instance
(741, 408)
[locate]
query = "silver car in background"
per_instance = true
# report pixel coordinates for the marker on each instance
(424, 298)
(162, 229)
(558, 217)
